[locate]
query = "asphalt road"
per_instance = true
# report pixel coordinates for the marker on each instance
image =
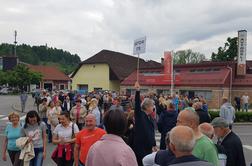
(7, 103)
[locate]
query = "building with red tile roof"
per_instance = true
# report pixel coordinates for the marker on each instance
(52, 77)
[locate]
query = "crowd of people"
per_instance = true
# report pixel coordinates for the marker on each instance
(105, 129)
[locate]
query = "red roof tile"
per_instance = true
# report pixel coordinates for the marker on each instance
(49, 73)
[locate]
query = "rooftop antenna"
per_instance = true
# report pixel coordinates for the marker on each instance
(15, 43)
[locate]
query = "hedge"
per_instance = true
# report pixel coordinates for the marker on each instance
(240, 116)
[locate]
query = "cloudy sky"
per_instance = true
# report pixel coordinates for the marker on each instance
(87, 26)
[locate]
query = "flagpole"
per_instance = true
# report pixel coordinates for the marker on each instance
(138, 67)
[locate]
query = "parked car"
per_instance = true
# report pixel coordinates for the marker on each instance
(4, 91)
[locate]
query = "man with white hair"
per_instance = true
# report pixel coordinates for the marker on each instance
(204, 148)
(182, 141)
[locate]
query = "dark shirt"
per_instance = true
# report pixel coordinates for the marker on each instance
(203, 115)
(164, 157)
(233, 147)
(189, 160)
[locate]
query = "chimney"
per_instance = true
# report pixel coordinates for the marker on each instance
(162, 61)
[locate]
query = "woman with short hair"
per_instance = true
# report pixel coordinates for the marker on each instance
(11, 134)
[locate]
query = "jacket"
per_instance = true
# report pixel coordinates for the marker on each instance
(64, 106)
(82, 115)
(144, 138)
(27, 150)
(234, 150)
(227, 112)
(167, 120)
(203, 116)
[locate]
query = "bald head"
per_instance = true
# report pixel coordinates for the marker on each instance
(182, 139)
(90, 121)
(207, 129)
(188, 118)
(90, 116)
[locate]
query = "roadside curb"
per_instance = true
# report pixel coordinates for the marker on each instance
(240, 123)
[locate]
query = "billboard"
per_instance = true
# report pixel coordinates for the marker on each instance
(242, 51)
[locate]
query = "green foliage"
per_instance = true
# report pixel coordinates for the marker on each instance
(187, 56)
(240, 116)
(228, 52)
(42, 55)
(20, 77)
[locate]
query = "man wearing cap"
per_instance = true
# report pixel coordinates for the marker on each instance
(230, 141)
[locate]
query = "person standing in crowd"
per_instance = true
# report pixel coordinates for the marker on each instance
(230, 141)
(182, 142)
(94, 109)
(48, 97)
(166, 122)
(85, 139)
(203, 115)
(208, 130)
(161, 157)
(23, 99)
(116, 104)
(227, 112)
(11, 134)
(36, 131)
(78, 114)
(64, 137)
(67, 105)
(144, 141)
(175, 101)
(42, 111)
(111, 145)
(237, 101)
(204, 148)
(161, 106)
(53, 121)
(245, 102)
(204, 105)
(58, 106)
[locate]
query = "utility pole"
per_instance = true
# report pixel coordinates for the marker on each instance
(15, 43)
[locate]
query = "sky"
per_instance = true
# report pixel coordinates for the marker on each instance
(85, 27)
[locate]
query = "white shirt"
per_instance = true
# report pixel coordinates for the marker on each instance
(245, 99)
(65, 132)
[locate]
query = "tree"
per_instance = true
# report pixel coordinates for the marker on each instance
(20, 77)
(228, 52)
(187, 56)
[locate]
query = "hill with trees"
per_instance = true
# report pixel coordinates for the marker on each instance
(43, 55)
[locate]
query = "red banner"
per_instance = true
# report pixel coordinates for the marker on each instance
(167, 66)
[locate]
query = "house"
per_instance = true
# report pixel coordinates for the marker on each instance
(212, 80)
(105, 71)
(52, 77)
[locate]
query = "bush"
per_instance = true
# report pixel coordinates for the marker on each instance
(240, 116)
